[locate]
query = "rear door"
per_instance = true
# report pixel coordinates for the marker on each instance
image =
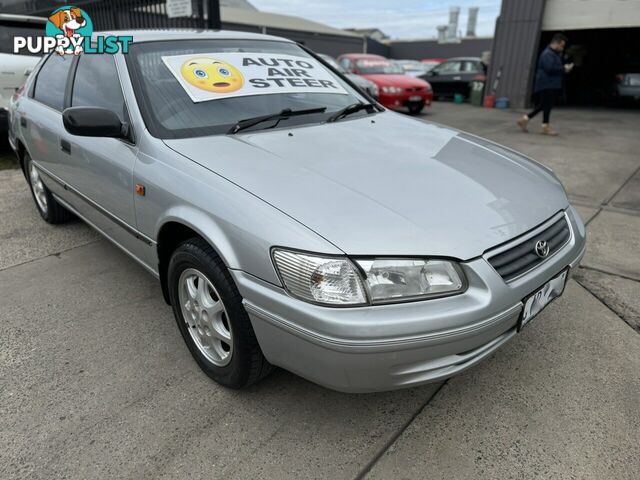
(101, 169)
(40, 118)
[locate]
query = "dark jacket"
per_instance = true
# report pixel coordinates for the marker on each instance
(550, 71)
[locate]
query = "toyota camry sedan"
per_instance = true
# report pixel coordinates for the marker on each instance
(290, 221)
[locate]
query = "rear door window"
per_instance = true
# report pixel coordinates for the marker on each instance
(96, 84)
(52, 81)
(470, 67)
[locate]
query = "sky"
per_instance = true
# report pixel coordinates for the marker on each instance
(397, 18)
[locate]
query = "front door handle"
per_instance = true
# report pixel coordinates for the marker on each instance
(65, 146)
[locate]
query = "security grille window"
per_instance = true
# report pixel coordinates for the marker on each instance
(52, 79)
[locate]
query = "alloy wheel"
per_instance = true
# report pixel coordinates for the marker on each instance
(206, 317)
(38, 188)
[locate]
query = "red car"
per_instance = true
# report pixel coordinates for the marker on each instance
(397, 90)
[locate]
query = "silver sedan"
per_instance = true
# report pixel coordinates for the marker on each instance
(306, 227)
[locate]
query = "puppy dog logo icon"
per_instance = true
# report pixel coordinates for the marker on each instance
(72, 23)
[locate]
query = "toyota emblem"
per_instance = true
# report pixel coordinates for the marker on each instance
(542, 248)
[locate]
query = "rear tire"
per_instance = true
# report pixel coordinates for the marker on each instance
(50, 210)
(212, 320)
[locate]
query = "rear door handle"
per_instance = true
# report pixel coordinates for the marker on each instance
(23, 121)
(65, 146)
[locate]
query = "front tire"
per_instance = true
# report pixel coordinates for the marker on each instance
(211, 318)
(416, 109)
(50, 210)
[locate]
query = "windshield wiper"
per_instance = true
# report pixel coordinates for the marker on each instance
(282, 114)
(353, 108)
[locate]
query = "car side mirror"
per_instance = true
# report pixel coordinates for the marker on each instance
(432, 73)
(93, 122)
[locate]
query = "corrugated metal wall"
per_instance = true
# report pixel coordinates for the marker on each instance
(377, 48)
(333, 45)
(419, 49)
(514, 49)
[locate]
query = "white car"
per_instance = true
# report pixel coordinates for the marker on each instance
(15, 68)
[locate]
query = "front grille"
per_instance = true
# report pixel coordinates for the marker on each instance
(414, 89)
(523, 257)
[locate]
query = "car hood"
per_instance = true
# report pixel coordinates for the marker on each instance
(403, 81)
(387, 184)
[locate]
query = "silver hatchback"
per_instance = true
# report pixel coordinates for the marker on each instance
(305, 227)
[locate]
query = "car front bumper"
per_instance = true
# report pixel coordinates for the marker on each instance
(386, 347)
(629, 91)
(403, 100)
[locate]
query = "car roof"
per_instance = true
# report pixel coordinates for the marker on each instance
(140, 36)
(22, 18)
(361, 55)
(457, 59)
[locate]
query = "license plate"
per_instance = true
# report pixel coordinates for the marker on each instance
(415, 98)
(538, 300)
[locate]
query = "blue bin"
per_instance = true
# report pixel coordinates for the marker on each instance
(502, 102)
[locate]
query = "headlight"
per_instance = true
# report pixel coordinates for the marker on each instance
(331, 281)
(392, 89)
(374, 89)
(401, 279)
(337, 281)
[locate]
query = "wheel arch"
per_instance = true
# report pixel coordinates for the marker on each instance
(175, 230)
(21, 150)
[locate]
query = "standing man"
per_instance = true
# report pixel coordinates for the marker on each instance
(548, 83)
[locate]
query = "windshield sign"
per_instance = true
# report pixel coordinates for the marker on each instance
(212, 76)
(191, 88)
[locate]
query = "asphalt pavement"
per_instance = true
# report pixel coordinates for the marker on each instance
(95, 381)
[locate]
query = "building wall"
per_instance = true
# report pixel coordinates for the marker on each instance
(588, 14)
(377, 48)
(515, 47)
(419, 49)
(333, 45)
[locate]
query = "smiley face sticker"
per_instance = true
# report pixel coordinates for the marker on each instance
(212, 75)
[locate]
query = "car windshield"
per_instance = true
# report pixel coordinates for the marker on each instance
(175, 109)
(378, 66)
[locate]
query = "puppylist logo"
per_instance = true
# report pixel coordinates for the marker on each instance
(68, 32)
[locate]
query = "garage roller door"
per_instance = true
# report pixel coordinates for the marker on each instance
(588, 14)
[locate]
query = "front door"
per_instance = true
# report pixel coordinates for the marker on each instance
(101, 169)
(444, 77)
